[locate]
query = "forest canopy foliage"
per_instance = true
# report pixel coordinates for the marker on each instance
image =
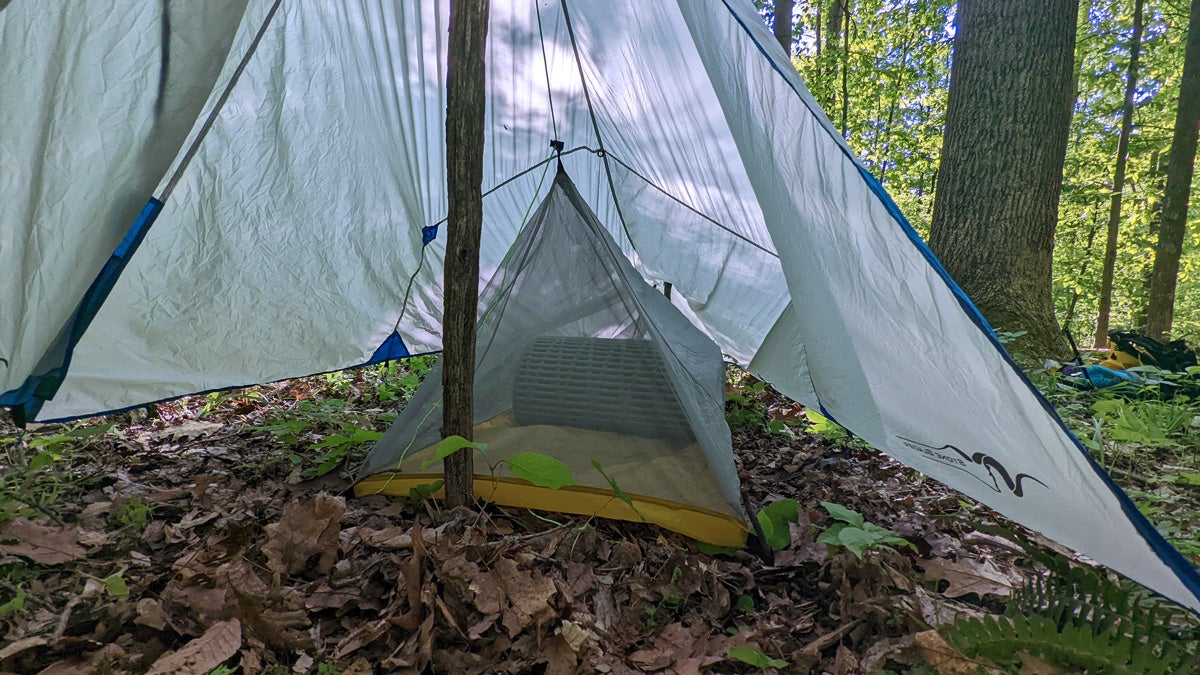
(881, 70)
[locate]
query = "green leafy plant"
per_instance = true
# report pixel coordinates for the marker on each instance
(1146, 422)
(425, 490)
(617, 491)
(541, 470)
(755, 657)
(213, 401)
(856, 535)
(537, 468)
(1009, 336)
(742, 412)
(32, 478)
(1077, 618)
(335, 435)
(671, 600)
(774, 519)
(115, 584)
(14, 604)
(288, 426)
(333, 449)
(825, 427)
(132, 513)
(450, 445)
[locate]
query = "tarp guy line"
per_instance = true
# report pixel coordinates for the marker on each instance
(212, 115)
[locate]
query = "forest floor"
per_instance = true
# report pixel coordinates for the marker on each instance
(219, 536)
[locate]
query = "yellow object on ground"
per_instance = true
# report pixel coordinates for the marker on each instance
(1120, 360)
(699, 524)
(685, 495)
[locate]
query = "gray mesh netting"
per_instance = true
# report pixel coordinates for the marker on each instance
(580, 359)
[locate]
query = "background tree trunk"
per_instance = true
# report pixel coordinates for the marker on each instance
(1118, 184)
(846, 19)
(1160, 308)
(1007, 119)
(465, 93)
(833, 31)
(783, 24)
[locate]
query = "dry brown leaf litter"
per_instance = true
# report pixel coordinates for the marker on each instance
(237, 566)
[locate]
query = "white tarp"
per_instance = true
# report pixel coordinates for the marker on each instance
(307, 172)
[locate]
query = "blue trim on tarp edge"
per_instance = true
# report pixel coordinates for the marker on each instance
(39, 388)
(1167, 553)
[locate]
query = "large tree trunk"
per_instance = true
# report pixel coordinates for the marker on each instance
(1118, 185)
(1160, 310)
(465, 94)
(783, 23)
(998, 185)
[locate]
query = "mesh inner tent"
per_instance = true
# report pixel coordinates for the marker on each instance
(578, 358)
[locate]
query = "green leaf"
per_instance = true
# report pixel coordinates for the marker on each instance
(774, 519)
(831, 536)
(450, 445)
(115, 584)
(843, 514)
(15, 605)
(541, 470)
(755, 657)
(617, 491)
(857, 540)
(778, 428)
(42, 460)
(823, 426)
(783, 510)
(1109, 405)
(745, 603)
(425, 490)
(365, 436)
(84, 432)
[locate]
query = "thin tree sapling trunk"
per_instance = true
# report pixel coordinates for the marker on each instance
(465, 93)
(1118, 185)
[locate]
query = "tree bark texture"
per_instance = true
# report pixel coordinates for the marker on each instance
(1160, 309)
(465, 93)
(833, 31)
(783, 23)
(1118, 184)
(1007, 120)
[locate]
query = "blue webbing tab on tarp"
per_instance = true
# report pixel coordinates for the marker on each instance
(42, 385)
(391, 348)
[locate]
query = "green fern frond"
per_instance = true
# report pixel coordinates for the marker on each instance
(1078, 617)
